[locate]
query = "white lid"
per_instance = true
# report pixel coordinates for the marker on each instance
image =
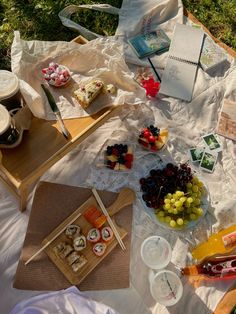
(156, 252)
(9, 84)
(5, 119)
(166, 288)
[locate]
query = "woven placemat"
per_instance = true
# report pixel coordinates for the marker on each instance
(52, 204)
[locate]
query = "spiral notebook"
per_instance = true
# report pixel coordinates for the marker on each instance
(182, 63)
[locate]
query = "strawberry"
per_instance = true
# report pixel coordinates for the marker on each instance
(129, 157)
(146, 134)
(112, 165)
(151, 139)
(154, 148)
(128, 164)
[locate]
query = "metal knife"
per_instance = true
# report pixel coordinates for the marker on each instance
(56, 111)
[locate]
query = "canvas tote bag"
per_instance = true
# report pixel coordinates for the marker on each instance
(135, 17)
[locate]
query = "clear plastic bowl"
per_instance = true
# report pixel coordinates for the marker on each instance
(116, 166)
(165, 287)
(53, 82)
(156, 252)
(158, 144)
(205, 201)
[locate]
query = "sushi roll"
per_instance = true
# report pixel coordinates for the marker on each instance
(99, 248)
(107, 234)
(79, 243)
(66, 251)
(72, 231)
(59, 248)
(93, 235)
(79, 263)
(73, 257)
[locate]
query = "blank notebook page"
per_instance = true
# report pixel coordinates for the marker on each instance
(186, 43)
(180, 71)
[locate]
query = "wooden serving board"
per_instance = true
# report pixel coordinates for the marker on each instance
(125, 198)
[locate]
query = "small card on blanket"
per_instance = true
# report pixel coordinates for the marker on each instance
(212, 143)
(206, 156)
(196, 153)
(212, 55)
(227, 120)
(208, 161)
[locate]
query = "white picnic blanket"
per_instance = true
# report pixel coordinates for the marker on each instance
(187, 122)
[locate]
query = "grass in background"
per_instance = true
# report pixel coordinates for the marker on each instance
(38, 19)
(219, 16)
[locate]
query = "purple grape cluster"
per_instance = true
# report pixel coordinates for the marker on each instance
(159, 182)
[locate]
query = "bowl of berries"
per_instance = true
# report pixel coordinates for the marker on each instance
(116, 155)
(153, 138)
(56, 74)
(174, 196)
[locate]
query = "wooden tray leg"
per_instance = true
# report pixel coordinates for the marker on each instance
(23, 194)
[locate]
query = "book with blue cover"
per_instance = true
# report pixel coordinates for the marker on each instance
(154, 42)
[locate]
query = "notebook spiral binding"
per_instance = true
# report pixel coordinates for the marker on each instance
(183, 60)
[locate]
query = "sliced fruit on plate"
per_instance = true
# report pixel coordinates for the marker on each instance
(119, 157)
(176, 195)
(153, 138)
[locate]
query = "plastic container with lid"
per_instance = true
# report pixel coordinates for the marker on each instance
(156, 252)
(9, 90)
(166, 287)
(9, 134)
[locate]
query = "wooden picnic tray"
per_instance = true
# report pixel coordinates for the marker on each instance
(42, 146)
(227, 302)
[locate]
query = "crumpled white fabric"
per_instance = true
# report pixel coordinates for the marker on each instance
(69, 301)
(101, 58)
(186, 122)
(135, 17)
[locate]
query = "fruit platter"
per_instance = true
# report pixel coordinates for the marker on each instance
(153, 138)
(174, 196)
(119, 157)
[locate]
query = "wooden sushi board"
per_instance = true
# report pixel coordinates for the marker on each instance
(125, 198)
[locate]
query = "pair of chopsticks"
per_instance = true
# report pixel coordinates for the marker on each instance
(109, 220)
(115, 231)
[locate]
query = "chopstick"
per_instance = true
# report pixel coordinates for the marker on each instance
(116, 233)
(154, 69)
(49, 242)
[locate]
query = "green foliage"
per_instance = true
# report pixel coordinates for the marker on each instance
(38, 19)
(218, 16)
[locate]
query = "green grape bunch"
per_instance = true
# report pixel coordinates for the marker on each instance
(180, 208)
